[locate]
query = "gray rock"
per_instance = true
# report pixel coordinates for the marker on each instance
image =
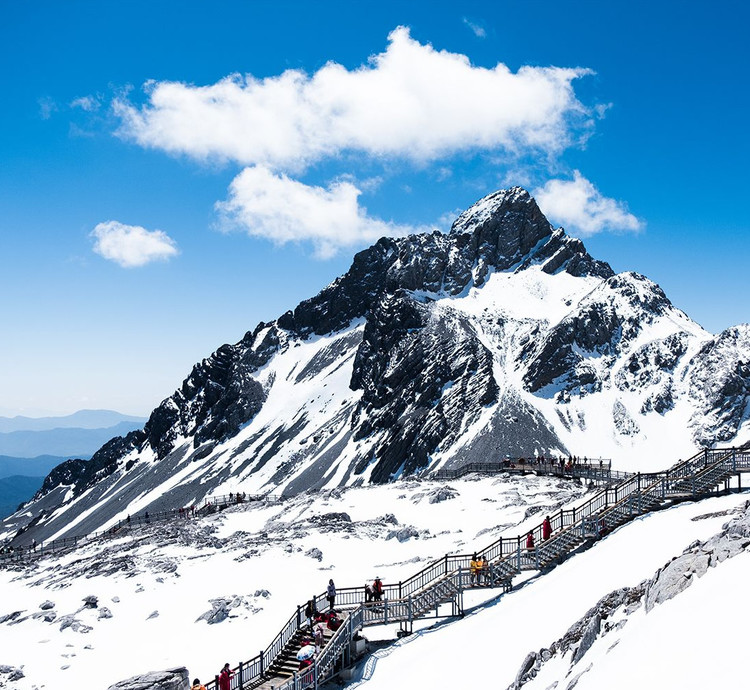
(315, 553)
(74, 624)
(10, 616)
(171, 679)
(91, 602)
(104, 612)
(675, 577)
(590, 633)
(528, 663)
(403, 534)
(45, 606)
(444, 493)
(153, 614)
(12, 672)
(218, 613)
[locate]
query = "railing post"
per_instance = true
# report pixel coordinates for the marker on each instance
(240, 683)
(446, 563)
(519, 553)
(261, 662)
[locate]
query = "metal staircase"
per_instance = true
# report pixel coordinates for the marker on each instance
(444, 581)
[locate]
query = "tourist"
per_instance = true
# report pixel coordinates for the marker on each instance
(331, 594)
(473, 570)
(225, 678)
(484, 571)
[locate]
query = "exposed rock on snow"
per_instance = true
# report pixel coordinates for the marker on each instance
(91, 602)
(70, 621)
(11, 673)
(315, 553)
(403, 534)
(171, 679)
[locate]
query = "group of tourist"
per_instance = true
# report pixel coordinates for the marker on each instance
(564, 464)
(479, 571)
(546, 534)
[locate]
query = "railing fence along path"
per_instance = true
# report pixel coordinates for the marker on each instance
(445, 580)
(32, 551)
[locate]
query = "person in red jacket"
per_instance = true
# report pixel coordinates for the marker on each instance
(546, 529)
(377, 589)
(224, 678)
(529, 546)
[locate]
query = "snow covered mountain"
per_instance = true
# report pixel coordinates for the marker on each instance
(502, 337)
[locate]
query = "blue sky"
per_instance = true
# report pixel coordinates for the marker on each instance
(153, 207)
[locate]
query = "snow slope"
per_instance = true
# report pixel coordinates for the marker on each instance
(264, 559)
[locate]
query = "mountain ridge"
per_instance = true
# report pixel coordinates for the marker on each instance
(503, 336)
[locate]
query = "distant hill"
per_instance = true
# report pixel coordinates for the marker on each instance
(69, 442)
(39, 466)
(83, 419)
(15, 490)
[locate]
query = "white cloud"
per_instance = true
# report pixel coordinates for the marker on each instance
(411, 102)
(277, 208)
(87, 103)
(579, 206)
(478, 30)
(47, 107)
(131, 246)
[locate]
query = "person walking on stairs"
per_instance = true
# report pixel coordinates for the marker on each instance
(319, 636)
(474, 566)
(311, 611)
(331, 594)
(197, 685)
(546, 529)
(484, 571)
(530, 541)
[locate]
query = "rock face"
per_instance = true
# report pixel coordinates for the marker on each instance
(171, 679)
(502, 337)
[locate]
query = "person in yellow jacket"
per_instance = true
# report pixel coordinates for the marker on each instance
(474, 567)
(197, 685)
